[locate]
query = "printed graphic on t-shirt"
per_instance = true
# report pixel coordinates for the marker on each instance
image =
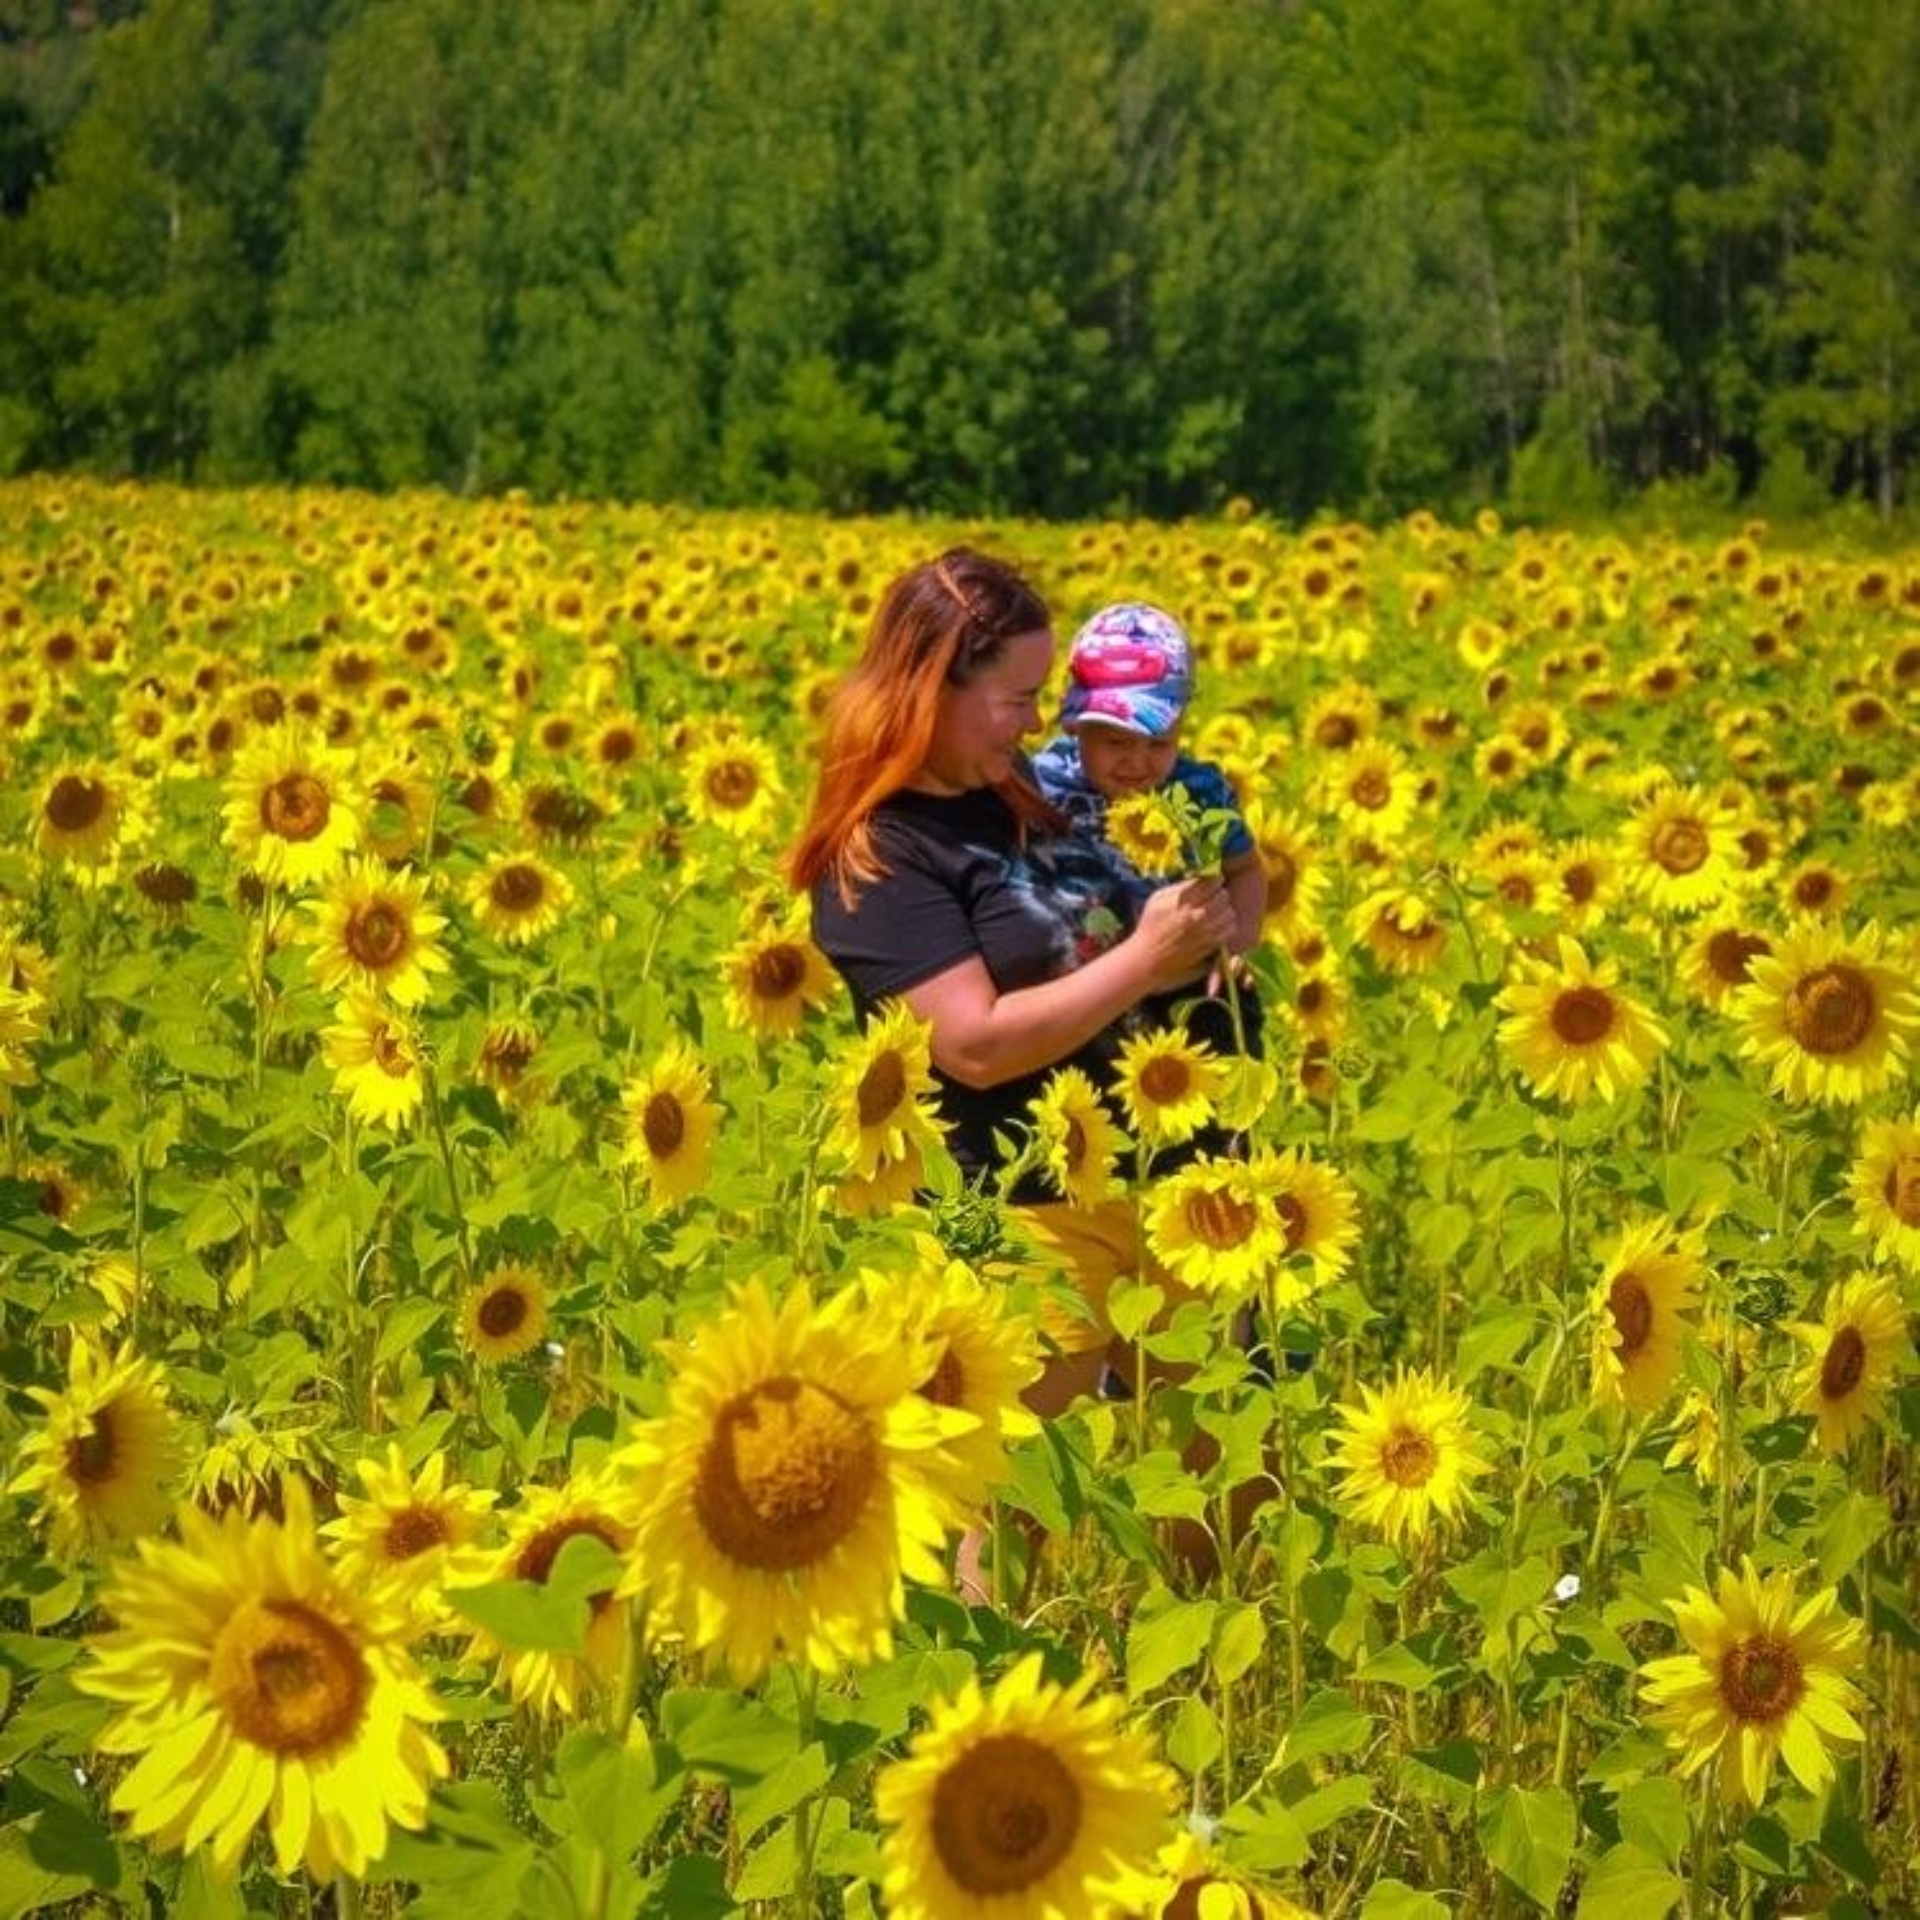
(1065, 888)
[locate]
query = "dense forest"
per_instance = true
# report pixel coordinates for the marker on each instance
(1041, 256)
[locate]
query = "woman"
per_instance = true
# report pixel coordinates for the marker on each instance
(940, 877)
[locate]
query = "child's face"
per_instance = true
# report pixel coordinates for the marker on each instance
(1118, 763)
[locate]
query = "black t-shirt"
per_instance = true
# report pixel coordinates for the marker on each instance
(962, 880)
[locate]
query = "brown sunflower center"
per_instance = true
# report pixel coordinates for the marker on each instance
(517, 888)
(1902, 1189)
(377, 934)
(787, 1475)
(535, 1560)
(1222, 1220)
(165, 885)
(944, 1385)
(1814, 889)
(1408, 1457)
(777, 972)
(287, 1678)
(1336, 730)
(1845, 1363)
(1371, 789)
(1760, 1680)
(1166, 1080)
(1830, 1011)
(91, 1457)
(1310, 997)
(663, 1125)
(1579, 882)
(1583, 1016)
(732, 784)
(295, 807)
(882, 1087)
(1518, 890)
(1005, 1814)
(616, 746)
(1294, 1221)
(503, 1312)
(1731, 954)
(508, 1054)
(1632, 1308)
(1283, 877)
(1680, 846)
(391, 1053)
(1075, 1145)
(76, 803)
(415, 1531)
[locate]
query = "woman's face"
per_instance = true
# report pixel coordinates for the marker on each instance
(980, 726)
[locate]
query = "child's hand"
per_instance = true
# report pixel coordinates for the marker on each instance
(1230, 965)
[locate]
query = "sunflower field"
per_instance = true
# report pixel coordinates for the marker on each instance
(509, 1409)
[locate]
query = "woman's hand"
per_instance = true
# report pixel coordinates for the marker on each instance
(1182, 928)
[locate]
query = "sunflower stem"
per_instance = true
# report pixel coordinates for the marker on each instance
(346, 1897)
(807, 1693)
(1706, 1848)
(437, 1119)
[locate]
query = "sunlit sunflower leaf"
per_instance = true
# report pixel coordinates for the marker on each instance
(769, 1872)
(1654, 1817)
(405, 1325)
(690, 1887)
(1193, 1740)
(612, 1794)
(1447, 1775)
(1239, 1635)
(1496, 1337)
(1528, 1834)
(1395, 1900)
(1629, 1884)
(1327, 1805)
(780, 1791)
(1852, 1529)
(1165, 1636)
(550, 1616)
(1268, 1838)
(740, 1739)
(1328, 1722)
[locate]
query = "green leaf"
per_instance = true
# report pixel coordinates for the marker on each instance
(1447, 1775)
(1654, 1818)
(1852, 1530)
(1326, 1805)
(550, 1616)
(1395, 1900)
(690, 1887)
(780, 1791)
(614, 1795)
(1497, 1592)
(56, 1853)
(1528, 1834)
(1193, 1740)
(1439, 1229)
(1268, 1837)
(1165, 1636)
(718, 1731)
(406, 1325)
(1494, 1338)
(1239, 1636)
(1328, 1722)
(1628, 1884)
(770, 1870)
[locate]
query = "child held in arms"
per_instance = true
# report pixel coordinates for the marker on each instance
(1129, 681)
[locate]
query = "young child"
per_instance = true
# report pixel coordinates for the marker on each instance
(1129, 680)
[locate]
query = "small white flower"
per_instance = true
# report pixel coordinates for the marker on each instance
(1567, 1587)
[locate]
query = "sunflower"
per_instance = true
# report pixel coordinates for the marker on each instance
(517, 897)
(1696, 1437)
(1076, 1138)
(1195, 1884)
(1827, 1014)
(1852, 1353)
(292, 812)
(166, 891)
(1168, 1085)
(894, 1183)
(734, 783)
(1372, 790)
(1680, 850)
(797, 1475)
(879, 1094)
(375, 931)
(1885, 1187)
(773, 974)
(1649, 1283)
(1407, 1454)
(1582, 883)
(509, 1046)
(1401, 929)
(1764, 1679)
(1317, 1209)
(411, 1534)
(1145, 830)
(377, 1062)
(1296, 874)
(1030, 1800)
(255, 1682)
(100, 1463)
(551, 1681)
(1211, 1227)
(1718, 959)
(1319, 1006)
(504, 1315)
(84, 818)
(671, 1123)
(984, 1358)
(1571, 1033)
(1816, 888)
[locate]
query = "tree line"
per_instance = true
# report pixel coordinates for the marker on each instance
(1058, 257)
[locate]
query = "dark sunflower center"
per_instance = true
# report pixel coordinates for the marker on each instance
(1845, 1363)
(1580, 882)
(777, 972)
(1731, 955)
(1903, 1189)
(166, 885)
(1632, 1308)
(502, 1313)
(518, 888)
(1005, 1814)
(416, 1531)
(1583, 1016)
(295, 807)
(1221, 1220)
(617, 746)
(91, 1457)
(287, 1678)
(882, 1087)
(1408, 1457)
(1294, 1221)
(1336, 730)
(377, 934)
(1760, 1681)
(1831, 1011)
(508, 1054)
(731, 784)
(1680, 846)
(1076, 1145)
(1283, 876)
(1371, 789)
(1813, 889)
(1166, 1080)
(76, 803)
(664, 1125)
(535, 1560)
(944, 1385)
(787, 1475)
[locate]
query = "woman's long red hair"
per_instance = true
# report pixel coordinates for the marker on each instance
(936, 626)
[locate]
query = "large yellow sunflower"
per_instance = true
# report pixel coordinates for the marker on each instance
(85, 818)
(879, 1099)
(1828, 1014)
(773, 974)
(796, 1477)
(504, 1314)
(412, 1534)
(292, 812)
(1852, 1352)
(1885, 1187)
(518, 897)
(1764, 1679)
(733, 782)
(1212, 1226)
(1680, 850)
(101, 1462)
(1032, 1800)
(1318, 1211)
(377, 1062)
(1372, 789)
(254, 1682)
(1718, 960)
(1146, 831)
(1649, 1283)
(1407, 1454)
(1572, 1033)
(1295, 871)
(373, 929)
(547, 1680)
(1077, 1140)
(1168, 1085)
(1402, 929)
(671, 1123)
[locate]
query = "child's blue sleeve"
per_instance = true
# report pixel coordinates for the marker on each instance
(1211, 791)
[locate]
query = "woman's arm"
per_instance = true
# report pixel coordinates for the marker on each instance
(982, 1036)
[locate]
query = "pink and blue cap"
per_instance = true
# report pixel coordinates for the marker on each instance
(1131, 667)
